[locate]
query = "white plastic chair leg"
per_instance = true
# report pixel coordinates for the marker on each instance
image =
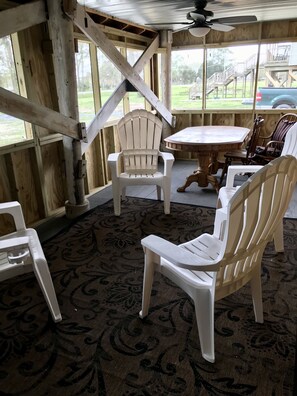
(43, 276)
(166, 193)
(159, 192)
(256, 289)
(116, 198)
(148, 277)
(278, 238)
(204, 308)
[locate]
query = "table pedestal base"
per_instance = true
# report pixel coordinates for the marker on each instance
(201, 179)
(202, 175)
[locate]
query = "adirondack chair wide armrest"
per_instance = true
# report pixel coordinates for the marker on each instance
(14, 209)
(178, 255)
(234, 170)
(113, 162)
(114, 157)
(13, 242)
(168, 159)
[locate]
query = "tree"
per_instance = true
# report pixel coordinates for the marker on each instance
(182, 73)
(8, 77)
(218, 59)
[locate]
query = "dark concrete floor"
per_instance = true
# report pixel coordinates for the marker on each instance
(193, 195)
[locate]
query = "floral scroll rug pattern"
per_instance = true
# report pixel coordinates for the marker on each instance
(102, 347)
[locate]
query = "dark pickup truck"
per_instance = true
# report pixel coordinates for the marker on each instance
(276, 98)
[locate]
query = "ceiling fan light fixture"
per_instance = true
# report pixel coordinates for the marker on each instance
(199, 31)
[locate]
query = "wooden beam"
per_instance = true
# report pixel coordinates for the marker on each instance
(24, 109)
(22, 17)
(91, 30)
(61, 33)
(110, 105)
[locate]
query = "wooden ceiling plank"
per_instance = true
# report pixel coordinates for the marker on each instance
(91, 30)
(21, 17)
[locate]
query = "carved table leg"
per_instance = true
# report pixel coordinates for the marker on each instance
(201, 176)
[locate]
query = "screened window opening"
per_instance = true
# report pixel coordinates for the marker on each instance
(186, 79)
(12, 130)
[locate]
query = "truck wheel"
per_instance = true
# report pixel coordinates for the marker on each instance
(284, 106)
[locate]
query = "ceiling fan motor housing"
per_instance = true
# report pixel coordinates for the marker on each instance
(200, 9)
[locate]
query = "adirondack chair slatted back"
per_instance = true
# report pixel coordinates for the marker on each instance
(140, 137)
(254, 212)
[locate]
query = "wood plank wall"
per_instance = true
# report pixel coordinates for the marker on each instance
(33, 172)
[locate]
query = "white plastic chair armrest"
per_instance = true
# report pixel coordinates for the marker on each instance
(113, 161)
(177, 255)
(15, 242)
(168, 159)
(166, 156)
(15, 210)
(234, 170)
(113, 158)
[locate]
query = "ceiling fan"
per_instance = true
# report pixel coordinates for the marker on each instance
(201, 22)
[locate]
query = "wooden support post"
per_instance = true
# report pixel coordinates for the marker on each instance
(166, 42)
(61, 33)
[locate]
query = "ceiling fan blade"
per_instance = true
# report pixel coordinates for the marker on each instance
(221, 28)
(234, 20)
(180, 30)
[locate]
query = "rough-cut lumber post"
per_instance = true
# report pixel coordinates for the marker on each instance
(166, 42)
(61, 33)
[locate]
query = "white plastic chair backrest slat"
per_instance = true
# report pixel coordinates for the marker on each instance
(282, 190)
(284, 193)
(136, 130)
(266, 209)
(290, 145)
(250, 218)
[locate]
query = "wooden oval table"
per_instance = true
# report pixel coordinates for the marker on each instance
(207, 142)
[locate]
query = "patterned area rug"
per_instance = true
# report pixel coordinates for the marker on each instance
(102, 347)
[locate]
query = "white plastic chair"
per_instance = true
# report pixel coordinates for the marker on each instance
(209, 268)
(21, 252)
(140, 135)
(226, 193)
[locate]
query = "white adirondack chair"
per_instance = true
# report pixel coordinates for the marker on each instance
(209, 268)
(226, 193)
(21, 252)
(140, 136)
